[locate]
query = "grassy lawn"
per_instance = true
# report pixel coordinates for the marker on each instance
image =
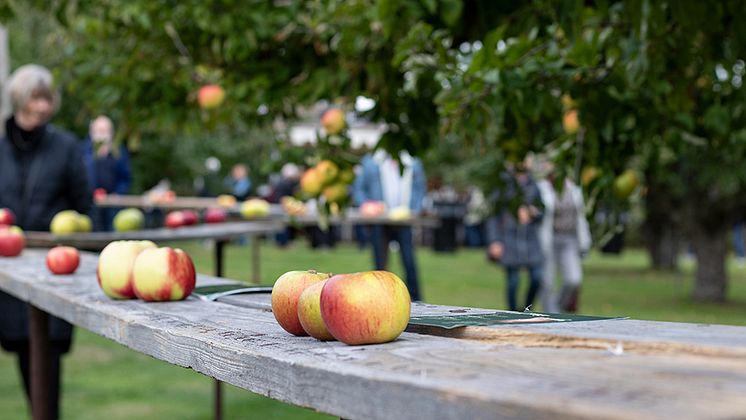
(105, 380)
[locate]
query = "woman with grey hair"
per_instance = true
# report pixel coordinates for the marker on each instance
(41, 174)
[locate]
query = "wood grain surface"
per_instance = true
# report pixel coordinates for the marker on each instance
(477, 373)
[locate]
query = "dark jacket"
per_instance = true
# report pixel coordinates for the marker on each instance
(38, 180)
(521, 245)
(111, 172)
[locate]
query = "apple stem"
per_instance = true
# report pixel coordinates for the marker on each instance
(313, 271)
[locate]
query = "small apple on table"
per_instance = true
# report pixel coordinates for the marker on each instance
(63, 260)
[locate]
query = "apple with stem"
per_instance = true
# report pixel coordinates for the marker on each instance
(285, 294)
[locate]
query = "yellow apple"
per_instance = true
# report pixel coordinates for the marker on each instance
(129, 219)
(115, 263)
(254, 208)
(335, 193)
(309, 312)
(64, 222)
(400, 213)
(311, 182)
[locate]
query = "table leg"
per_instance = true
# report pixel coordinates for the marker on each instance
(255, 257)
(39, 369)
(219, 252)
(218, 386)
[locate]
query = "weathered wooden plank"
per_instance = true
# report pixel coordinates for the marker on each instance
(98, 240)
(417, 376)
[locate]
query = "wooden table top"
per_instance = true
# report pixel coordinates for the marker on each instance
(352, 217)
(98, 240)
(593, 369)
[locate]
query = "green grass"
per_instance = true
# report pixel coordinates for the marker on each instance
(105, 380)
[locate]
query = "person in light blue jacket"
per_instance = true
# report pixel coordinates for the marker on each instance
(400, 183)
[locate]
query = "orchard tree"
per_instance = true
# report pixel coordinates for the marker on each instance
(657, 87)
(645, 88)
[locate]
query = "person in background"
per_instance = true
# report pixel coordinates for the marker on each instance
(41, 173)
(108, 167)
(565, 237)
(512, 233)
(476, 208)
(286, 187)
(381, 178)
(238, 182)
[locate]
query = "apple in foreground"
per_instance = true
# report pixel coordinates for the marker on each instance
(115, 263)
(309, 312)
(129, 219)
(285, 293)
(210, 96)
(215, 215)
(163, 274)
(7, 218)
(12, 241)
(63, 260)
(365, 308)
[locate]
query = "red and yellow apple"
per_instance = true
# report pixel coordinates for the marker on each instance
(210, 96)
(365, 308)
(309, 312)
(7, 218)
(285, 294)
(63, 260)
(215, 215)
(293, 206)
(254, 207)
(12, 241)
(311, 182)
(129, 219)
(226, 200)
(570, 121)
(115, 264)
(333, 121)
(174, 219)
(372, 208)
(163, 274)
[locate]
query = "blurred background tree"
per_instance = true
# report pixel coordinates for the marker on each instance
(626, 91)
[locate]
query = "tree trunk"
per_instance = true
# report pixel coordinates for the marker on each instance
(663, 243)
(710, 246)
